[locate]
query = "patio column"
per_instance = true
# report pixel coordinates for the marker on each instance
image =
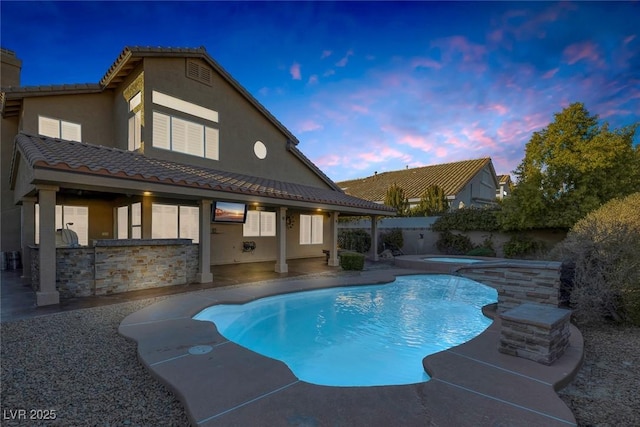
(204, 248)
(374, 237)
(28, 237)
(48, 294)
(281, 256)
(333, 252)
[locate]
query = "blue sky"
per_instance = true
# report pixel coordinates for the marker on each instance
(369, 86)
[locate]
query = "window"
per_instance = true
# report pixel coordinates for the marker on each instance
(75, 218)
(175, 134)
(122, 222)
(172, 221)
(259, 223)
(311, 229)
(136, 221)
(135, 122)
(55, 128)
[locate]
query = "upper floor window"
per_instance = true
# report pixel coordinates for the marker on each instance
(135, 122)
(183, 136)
(56, 128)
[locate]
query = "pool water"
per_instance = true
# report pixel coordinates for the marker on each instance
(359, 335)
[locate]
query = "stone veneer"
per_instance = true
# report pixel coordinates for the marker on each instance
(518, 282)
(536, 332)
(114, 266)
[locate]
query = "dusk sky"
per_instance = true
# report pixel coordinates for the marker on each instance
(369, 86)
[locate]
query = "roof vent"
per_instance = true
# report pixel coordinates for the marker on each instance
(200, 72)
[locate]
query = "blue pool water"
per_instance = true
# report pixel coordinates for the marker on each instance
(360, 335)
(452, 259)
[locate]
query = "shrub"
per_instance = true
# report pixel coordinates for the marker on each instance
(482, 251)
(467, 219)
(354, 240)
(392, 239)
(453, 244)
(351, 261)
(604, 248)
(522, 246)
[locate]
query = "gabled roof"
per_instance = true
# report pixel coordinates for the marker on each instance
(504, 179)
(11, 97)
(451, 177)
(98, 161)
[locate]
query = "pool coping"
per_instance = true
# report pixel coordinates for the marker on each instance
(220, 382)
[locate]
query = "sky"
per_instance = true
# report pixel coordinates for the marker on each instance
(369, 86)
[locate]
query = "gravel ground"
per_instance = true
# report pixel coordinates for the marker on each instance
(606, 391)
(76, 364)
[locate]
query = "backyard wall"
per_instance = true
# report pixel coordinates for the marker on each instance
(419, 239)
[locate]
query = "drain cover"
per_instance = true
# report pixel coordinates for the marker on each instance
(200, 349)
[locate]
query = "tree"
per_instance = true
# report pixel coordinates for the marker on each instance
(570, 168)
(396, 199)
(432, 202)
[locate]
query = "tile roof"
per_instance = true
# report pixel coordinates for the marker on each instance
(48, 153)
(504, 179)
(451, 177)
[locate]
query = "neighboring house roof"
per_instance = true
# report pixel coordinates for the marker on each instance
(504, 179)
(93, 160)
(11, 97)
(451, 177)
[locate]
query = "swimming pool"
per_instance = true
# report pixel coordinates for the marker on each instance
(360, 335)
(453, 259)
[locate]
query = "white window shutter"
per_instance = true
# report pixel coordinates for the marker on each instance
(316, 230)
(195, 139)
(212, 142)
(267, 223)
(70, 131)
(161, 128)
(178, 135)
(49, 127)
(251, 227)
(305, 229)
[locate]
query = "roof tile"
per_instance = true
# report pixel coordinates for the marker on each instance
(50, 153)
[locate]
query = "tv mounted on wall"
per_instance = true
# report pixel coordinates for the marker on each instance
(229, 212)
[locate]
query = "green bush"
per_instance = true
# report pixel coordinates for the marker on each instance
(604, 248)
(468, 219)
(392, 239)
(453, 244)
(522, 246)
(354, 240)
(351, 261)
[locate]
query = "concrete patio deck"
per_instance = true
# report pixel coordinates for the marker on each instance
(221, 383)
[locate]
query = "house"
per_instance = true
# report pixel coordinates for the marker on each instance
(504, 186)
(164, 168)
(465, 183)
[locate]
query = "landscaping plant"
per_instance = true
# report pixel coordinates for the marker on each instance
(605, 249)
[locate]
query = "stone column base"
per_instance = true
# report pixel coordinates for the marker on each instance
(47, 298)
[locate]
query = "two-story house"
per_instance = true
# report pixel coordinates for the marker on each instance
(465, 183)
(167, 145)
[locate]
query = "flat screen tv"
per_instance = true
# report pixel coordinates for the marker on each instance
(229, 212)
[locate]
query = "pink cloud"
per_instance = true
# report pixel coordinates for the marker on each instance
(313, 79)
(328, 161)
(325, 54)
(579, 51)
(425, 63)
(416, 141)
(499, 108)
(549, 74)
(381, 154)
(359, 108)
(343, 62)
(295, 71)
(309, 126)
(329, 73)
(629, 39)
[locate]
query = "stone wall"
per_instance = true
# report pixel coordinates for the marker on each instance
(518, 282)
(535, 332)
(114, 266)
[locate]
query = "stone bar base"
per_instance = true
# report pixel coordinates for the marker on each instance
(535, 331)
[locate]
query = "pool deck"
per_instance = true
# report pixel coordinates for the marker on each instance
(221, 383)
